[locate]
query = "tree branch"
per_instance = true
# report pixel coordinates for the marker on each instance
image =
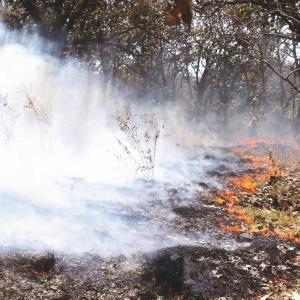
(292, 72)
(71, 19)
(285, 78)
(58, 5)
(32, 10)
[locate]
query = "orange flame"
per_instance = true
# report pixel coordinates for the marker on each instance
(225, 197)
(245, 184)
(234, 228)
(263, 169)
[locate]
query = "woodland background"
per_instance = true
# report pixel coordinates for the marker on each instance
(223, 55)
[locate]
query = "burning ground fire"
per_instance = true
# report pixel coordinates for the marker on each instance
(261, 171)
(69, 185)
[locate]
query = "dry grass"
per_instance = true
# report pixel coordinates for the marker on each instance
(284, 293)
(285, 156)
(264, 218)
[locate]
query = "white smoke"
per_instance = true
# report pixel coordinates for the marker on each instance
(61, 186)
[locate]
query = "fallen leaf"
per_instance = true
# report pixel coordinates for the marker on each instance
(266, 296)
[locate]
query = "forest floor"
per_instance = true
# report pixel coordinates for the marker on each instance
(258, 211)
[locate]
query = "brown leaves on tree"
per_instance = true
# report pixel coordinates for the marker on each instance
(173, 17)
(180, 11)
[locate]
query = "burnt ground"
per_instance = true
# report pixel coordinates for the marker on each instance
(231, 266)
(193, 272)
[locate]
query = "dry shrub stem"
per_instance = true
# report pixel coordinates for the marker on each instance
(142, 133)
